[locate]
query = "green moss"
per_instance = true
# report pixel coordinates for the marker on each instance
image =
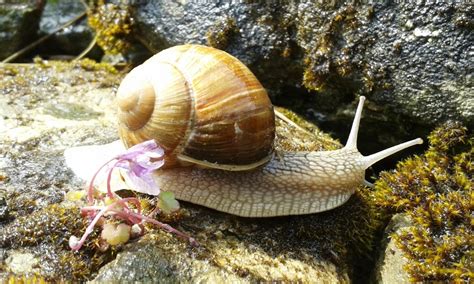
(322, 59)
(85, 64)
(18, 205)
(15, 279)
(436, 190)
(48, 230)
(113, 25)
(300, 136)
(219, 35)
(91, 65)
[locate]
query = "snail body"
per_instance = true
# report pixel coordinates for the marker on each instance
(220, 155)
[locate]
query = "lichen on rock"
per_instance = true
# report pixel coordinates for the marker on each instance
(218, 36)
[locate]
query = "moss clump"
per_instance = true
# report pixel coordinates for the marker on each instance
(218, 36)
(14, 279)
(85, 64)
(91, 65)
(48, 231)
(113, 25)
(300, 135)
(436, 190)
(19, 205)
(324, 59)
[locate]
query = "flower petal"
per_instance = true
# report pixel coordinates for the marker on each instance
(145, 146)
(144, 184)
(143, 152)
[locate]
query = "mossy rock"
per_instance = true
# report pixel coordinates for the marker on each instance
(435, 191)
(39, 104)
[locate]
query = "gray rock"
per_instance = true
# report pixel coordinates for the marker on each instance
(389, 266)
(427, 66)
(257, 34)
(72, 40)
(18, 25)
(21, 263)
(148, 260)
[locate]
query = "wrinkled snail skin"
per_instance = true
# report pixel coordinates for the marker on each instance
(291, 183)
(217, 125)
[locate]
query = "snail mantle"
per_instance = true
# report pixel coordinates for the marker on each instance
(221, 155)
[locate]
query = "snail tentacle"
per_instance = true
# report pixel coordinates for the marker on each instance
(374, 158)
(352, 139)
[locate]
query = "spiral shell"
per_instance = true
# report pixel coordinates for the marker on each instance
(201, 105)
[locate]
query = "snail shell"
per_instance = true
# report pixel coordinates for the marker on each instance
(202, 105)
(206, 108)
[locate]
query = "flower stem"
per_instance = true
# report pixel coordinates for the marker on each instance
(102, 211)
(110, 194)
(90, 228)
(90, 192)
(167, 227)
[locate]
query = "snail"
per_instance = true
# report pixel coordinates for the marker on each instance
(216, 123)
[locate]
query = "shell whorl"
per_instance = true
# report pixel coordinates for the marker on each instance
(207, 106)
(136, 100)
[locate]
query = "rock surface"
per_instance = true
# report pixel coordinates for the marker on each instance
(48, 107)
(255, 33)
(18, 25)
(21, 263)
(389, 266)
(72, 40)
(412, 61)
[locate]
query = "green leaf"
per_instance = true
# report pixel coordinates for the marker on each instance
(167, 202)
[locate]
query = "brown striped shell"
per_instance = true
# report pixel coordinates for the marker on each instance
(202, 105)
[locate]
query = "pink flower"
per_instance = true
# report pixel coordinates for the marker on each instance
(140, 161)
